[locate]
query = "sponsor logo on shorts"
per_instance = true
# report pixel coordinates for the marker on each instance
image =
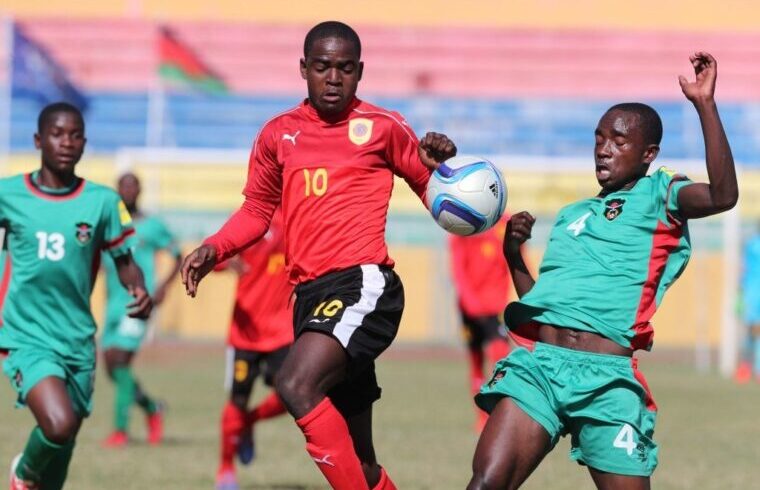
(497, 376)
(641, 451)
(613, 208)
(84, 233)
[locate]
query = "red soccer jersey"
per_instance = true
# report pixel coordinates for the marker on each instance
(262, 318)
(334, 180)
(480, 272)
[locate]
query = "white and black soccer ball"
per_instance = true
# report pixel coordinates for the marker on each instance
(466, 195)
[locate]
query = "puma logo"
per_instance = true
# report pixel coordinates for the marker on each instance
(317, 320)
(324, 460)
(291, 138)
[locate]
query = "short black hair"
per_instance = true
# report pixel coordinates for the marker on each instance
(651, 124)
(127, 175)
(331, 28)
(47, 113)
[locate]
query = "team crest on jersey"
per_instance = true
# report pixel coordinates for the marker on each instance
(84, 233)
(613, 208)
(359, 130)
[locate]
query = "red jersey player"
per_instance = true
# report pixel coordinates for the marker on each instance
(259, 338)
(481, 279)
(330, 161)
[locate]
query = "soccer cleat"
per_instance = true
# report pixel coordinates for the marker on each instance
(226, 480)
(16, 482)
(116, 440)
(246, 450)
(155, 423)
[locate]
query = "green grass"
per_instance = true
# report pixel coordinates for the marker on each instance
(708, 430)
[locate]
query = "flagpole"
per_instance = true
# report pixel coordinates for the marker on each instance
(5, 107)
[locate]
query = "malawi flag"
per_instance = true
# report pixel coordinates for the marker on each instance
(181, 66)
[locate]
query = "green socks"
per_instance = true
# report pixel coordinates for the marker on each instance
(128, 392)
(144, 401)
(125, 395)
(58, 468)
(38, 454)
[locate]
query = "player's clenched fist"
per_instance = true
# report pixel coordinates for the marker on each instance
(435, 148)
(195, 267)
(518, 231)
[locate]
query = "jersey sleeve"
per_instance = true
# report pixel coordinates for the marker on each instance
(402, 155)
(263, 192)
(118, 229)
(668, 184)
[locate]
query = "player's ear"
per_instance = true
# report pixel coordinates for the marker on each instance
(361, 70)
(303, 68)
(650, 153)
(37, 141)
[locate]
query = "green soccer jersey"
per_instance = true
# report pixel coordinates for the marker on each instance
(609, 261)
(54, 240)
(151, 235)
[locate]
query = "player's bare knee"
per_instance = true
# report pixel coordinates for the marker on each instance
(298, 393)
(239, 401)
(59, 428)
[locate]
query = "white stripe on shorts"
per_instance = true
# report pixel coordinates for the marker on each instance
(229, 368)
(373, 285)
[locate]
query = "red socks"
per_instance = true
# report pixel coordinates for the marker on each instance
(330, 446)
(385, 482)
(271, 406)
(233, 420)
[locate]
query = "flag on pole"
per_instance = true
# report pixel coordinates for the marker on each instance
(36, 74)
(181, 66)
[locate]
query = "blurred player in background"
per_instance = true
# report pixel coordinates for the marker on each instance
(57, 224)
(122, 334)
(260, 335)
(481, 279)
(607, 265)
(750, 365)
(330, 161)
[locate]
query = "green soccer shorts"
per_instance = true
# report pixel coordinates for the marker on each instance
(125, 333)
(28, 366)
(601, 400)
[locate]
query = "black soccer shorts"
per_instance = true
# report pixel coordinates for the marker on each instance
(480, 330)
(361, 308)
(244, 366)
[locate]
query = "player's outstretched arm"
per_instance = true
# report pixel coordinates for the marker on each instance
(131, 277)
(722, 191)
(518, 232)
(200, 262)
(435, 148)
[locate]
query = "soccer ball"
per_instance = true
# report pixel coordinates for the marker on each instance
(466, 195)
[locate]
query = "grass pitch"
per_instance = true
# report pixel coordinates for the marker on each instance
(708, 429)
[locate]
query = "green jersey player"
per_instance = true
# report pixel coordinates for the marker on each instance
(122, 335)
(607, 265)
(56, 226)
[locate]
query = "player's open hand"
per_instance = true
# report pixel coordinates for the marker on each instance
(195, 267)
(435, 148)
(703, 88)
(142, 305)
(519, 229)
